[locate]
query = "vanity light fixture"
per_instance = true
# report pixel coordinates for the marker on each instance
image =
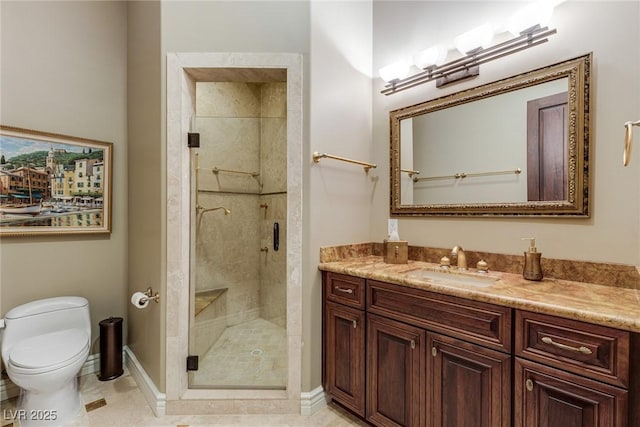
(474, 39)
(527, 18)
(396, 71)
(529, 25)
(434, 56)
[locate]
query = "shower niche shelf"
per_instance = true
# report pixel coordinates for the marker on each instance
(205, 298)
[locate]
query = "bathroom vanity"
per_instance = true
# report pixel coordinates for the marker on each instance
(404, 347)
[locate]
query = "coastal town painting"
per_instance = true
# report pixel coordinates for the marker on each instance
(53, 184)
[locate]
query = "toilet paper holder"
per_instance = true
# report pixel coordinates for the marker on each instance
(150, 296)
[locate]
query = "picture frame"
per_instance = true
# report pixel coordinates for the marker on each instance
(52, 184)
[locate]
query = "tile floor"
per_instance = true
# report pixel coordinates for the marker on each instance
(252, 354)
(120, 403)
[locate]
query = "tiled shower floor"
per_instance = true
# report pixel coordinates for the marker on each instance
(250, 355)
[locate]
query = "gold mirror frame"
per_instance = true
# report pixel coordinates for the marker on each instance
(578, 71)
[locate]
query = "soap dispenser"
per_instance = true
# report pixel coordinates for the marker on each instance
(532, 268)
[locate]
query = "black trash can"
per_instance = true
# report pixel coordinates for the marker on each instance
(110, 348)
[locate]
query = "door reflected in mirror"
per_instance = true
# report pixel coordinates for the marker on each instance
(518, 146)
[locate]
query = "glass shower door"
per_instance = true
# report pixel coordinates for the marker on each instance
(238, 260)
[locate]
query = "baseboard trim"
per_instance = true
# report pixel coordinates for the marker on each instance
(156, 400)
(311, 402)
(9, 390)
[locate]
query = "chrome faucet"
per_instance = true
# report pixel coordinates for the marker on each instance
(458, 257)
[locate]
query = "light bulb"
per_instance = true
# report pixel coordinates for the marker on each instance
(477, 37)
(538, 13)
(396, 71)
(435, 55)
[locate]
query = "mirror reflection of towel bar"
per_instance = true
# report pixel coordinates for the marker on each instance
(462, 175)
(628, 135)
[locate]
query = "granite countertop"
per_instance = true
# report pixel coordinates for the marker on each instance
(598, 304)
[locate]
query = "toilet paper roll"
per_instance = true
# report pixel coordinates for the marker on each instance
(139, 300)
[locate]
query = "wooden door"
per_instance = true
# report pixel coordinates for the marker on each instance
(395, 373)
(344, 348)
(547, 397)
(469, 385)
(547, 151)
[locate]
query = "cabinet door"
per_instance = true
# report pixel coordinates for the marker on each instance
(469, 385)
(395, 373)
(547, 397)
(344, 356)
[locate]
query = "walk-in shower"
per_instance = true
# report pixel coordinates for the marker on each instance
(230, 259)
(238, 233)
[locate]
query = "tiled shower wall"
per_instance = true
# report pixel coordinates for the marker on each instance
(242, 127)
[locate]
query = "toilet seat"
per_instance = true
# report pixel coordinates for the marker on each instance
(48, 352)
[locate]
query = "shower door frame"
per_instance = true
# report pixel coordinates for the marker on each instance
(180, 216)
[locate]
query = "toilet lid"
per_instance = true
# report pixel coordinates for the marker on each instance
(50, 349)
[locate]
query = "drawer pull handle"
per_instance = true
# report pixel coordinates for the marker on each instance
(345, 290)
(581, 349)
(529, 385)
(413, 344)
(355, 324)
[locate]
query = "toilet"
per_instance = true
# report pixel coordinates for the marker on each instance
(45, 343)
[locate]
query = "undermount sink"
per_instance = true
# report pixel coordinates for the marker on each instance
(451, 279)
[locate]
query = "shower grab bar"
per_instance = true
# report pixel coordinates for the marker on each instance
(241, 193)
(217, 170)
(317, 156)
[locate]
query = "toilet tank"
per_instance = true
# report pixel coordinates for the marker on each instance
(44, 316)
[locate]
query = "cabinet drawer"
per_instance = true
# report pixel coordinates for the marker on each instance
(595, 351)
(344, 289)
(478, 322)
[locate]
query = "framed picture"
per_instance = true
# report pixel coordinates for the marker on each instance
(53, 184)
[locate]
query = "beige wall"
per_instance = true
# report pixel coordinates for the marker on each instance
(611, 234)
(147, 204)
(63, 70)
(337, 195)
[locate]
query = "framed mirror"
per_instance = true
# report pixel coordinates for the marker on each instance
(515, 147)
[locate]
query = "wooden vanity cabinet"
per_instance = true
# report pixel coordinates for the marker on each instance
(344, 340)
(395, 373)
(478, 322)
(402, 356)
(467, 385)
(546, 396)
(467, 379)
(574, 374)
(428, 360)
